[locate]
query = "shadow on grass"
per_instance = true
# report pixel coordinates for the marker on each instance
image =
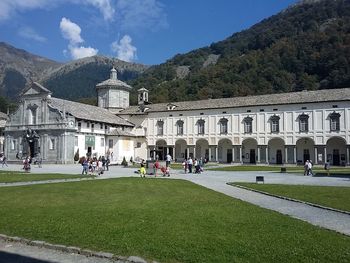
(15, 258)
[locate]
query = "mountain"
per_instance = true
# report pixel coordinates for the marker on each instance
(306, 46)
(77, 79)
(18, 67)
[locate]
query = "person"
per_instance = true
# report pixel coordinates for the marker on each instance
(168, 160)
(190, 163)
(142, 170)
(156, 167)
(104, 163)
(197, 167)
(26, 164)
(107, 163)
(4, 161)
(85, 165)
(327, 166)
(185, 165)
(306, 168)
(310, 168)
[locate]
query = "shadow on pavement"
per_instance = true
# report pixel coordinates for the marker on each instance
(14, 258)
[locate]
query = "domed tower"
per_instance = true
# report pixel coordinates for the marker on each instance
(113, 94)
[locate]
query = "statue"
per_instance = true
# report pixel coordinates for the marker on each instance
(31, 138)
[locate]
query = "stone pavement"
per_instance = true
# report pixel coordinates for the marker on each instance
(217, 181)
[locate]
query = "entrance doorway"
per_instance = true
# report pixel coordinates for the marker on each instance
(279, 157)
(252, 156)
(306, 155)
(336, 157)
(229, 155)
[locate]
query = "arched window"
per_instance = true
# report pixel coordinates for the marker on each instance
(334, 121)
(303, 122)
(275, 123)
(223, 126)
(32, 114)
(180, 127)
(160, 127)
(248, 127)
(200, 125)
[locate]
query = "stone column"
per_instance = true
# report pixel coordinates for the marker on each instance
(347, 156)
(240, 154)
(316, 157)
(285, 154)
(233, 154)
(154, 153)
(325, 154)
(259, 160)
(167, 150)
(295, 154)
(217, 154)
(194, 152)
(188, 152)
(209, 157)
(267, 154)
(174, 154)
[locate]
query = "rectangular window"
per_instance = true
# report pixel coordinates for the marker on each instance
(180, 129)
(248, 127)
(13, 144)
(110, 143)
(79, 126)
(275, 126)
(101, 126)
(75, 140)
(92, 127)
(335, 126)
(138, 145)
(304, 125)
(102, 142)
(200, 124)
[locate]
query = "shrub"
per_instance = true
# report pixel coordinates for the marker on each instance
(76, 156)
(124, 162)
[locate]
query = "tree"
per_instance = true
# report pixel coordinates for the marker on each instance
(76, 156)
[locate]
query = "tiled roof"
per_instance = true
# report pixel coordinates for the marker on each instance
(88, 112)
(248, 101)
(118, 132)
(113, 83)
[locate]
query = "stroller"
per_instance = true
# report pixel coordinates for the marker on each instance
(165, 171)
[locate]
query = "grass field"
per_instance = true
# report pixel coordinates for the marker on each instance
(331, 196)
(291, 169)
(163, 220)
(12, 177)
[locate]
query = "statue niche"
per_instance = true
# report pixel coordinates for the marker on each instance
(30, 145)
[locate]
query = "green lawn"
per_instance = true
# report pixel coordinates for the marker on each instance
(11, 177)
(163, 220)
(292, 169)
(331, 196)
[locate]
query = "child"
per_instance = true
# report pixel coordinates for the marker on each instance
(142, 170)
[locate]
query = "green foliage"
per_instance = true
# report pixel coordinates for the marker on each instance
(304, 47)
(76, 156)
(6, 104)
(14, 83)
(124, 162)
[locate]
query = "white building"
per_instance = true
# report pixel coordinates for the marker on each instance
(285, 128)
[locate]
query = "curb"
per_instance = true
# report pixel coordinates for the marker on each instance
(291, 199)
(71, 249)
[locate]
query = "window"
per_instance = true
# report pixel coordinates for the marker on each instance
(304, 123)
(101, 126)
(13, 144)
(180, 127)
(160, 127)
(334, 121)
(138, 145)
(92, 127)
(248, 124)
(223, 126)
(200, 124)
(79, 126)
(32, 114)
(88, 125)
(275, 123)
(102, 142)
(75, 140)
(110, 143)
(52, 143)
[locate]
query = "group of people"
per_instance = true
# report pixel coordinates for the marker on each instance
(165, 170)
(189, 163)
(94, 165)
(308, 168)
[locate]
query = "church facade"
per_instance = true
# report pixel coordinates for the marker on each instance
(285, 128)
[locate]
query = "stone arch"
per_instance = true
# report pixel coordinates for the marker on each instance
(249, 150)
(160, 149)
(336, 151)
(181, 150)
(225, 154)
(276, 154)
(202, 149)
(305, 150)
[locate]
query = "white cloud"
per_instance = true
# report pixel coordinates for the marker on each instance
(141, 15)
(82, 52)
(124, 49)
(71, 31)
(30, 33)
(10, 7)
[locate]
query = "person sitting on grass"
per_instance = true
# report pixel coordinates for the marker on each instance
(142, 170)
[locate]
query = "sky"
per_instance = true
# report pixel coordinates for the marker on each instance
(141, 31)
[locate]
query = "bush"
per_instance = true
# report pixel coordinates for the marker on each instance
(76, 156)
(124, 162)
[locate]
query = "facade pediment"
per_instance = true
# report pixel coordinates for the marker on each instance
(35, 89)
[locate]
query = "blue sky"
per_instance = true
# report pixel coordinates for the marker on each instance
(142, 31)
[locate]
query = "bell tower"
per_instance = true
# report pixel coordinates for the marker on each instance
(142, 97)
